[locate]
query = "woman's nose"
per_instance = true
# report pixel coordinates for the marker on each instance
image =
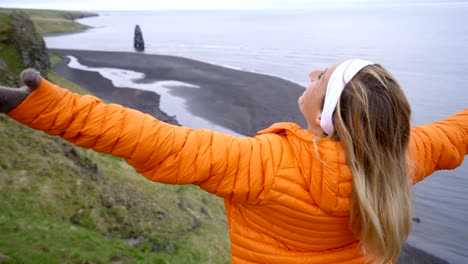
(313, 75)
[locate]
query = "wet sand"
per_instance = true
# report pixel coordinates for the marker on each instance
(242, 101)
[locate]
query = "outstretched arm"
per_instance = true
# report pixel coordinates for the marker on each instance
(234, 168)
(438, 146)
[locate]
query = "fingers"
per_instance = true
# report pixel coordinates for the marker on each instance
(12, 97)
(31, 78)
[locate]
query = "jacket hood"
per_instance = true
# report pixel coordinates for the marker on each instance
(323, 166)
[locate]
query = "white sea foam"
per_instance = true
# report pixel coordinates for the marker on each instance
(170, 104)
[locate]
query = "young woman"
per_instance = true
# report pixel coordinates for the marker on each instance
(337, 192)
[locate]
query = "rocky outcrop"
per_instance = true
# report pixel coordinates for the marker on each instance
(30, 44)
(20, 47)
(138, 42)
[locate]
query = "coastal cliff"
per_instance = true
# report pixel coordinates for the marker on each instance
(65, 204)
(21, 47)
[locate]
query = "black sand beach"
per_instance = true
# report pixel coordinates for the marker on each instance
(242, 101)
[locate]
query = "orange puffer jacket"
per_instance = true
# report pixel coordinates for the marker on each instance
(283, 203)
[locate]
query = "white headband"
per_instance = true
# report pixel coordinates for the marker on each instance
(337, 82)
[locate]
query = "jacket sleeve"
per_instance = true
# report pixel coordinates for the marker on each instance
(241, 169)
(438, 146)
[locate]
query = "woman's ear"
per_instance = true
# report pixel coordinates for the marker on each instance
(319, 130)
(318, 119)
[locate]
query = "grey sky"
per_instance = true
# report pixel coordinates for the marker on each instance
(187, 4)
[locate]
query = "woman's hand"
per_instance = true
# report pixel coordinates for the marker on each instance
(12, 97)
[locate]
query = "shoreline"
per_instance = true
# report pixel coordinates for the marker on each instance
(143, 101)
(174, 106)
(241, 101)
(238, 99)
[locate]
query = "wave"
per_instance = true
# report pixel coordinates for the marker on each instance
(170, 104)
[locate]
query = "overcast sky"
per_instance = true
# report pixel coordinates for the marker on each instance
(188, 4)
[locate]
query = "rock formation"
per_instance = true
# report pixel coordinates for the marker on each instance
(138, 42)
(21, 46)
(30, 44)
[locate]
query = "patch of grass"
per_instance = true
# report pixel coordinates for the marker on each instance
(53, 21)
(56, 25)
(5, 27)
(10, 55)
(36, 238)
(50, 13)
(54, 58)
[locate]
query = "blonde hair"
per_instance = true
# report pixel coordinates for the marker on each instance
(372, 120)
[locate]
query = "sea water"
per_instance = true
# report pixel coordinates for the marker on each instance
(424, 45)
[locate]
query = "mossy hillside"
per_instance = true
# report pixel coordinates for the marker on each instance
(53, 21)
(63, 204)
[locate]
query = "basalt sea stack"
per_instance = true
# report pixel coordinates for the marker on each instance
(138, 42)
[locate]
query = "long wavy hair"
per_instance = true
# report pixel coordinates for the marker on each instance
(372, 120)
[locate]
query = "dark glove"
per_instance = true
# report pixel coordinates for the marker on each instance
(12, 97)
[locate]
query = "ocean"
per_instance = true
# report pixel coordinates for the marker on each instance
(425, 46)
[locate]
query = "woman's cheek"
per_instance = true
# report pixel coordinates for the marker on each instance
(301, 99)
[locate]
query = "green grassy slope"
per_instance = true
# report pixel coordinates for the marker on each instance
(63, 204)
(53, 21)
